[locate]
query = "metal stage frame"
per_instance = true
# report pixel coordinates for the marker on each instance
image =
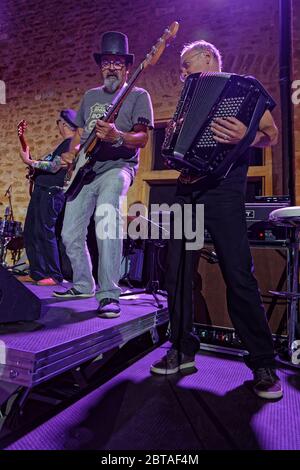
(67, 335)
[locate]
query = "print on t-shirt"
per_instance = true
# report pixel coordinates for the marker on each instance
(96, 112)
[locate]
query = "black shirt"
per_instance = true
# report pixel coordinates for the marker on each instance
(46, 179)
(236, 179)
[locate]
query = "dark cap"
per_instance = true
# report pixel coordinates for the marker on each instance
(69, 116)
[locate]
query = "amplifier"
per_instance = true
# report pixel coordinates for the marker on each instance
(260, 230)
(211, 319)
(258, 226)
(258, 211)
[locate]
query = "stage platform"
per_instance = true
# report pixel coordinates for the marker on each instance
(69, 333)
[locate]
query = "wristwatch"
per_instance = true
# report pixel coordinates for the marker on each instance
(119, 142)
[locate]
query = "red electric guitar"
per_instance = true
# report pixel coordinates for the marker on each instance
(30, 171)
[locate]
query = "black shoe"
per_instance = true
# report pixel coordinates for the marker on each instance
(109, 308)
(266, 384)
(172, 362)
(71, 294)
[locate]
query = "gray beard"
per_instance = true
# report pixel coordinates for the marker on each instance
(111, 84)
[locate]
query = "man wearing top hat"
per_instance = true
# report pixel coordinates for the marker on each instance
(115, 168)
(46, 203)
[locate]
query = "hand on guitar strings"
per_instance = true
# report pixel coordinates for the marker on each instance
(67, 159)
(107, 131)
(228, 130)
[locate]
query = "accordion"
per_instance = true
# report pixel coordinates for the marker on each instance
(189, 145)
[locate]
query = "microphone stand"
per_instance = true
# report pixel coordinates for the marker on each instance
(8, 193)
(152, 286)
(8, 217)
(3, 238)
(128, 251)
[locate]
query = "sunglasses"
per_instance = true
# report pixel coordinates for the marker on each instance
(117, 64)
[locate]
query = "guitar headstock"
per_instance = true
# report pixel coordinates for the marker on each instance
(21, 127)
(159, 47)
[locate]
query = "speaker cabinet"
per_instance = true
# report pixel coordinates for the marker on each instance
(17, 302)
(270, 269)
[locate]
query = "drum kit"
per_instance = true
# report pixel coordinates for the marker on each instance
(11, 235)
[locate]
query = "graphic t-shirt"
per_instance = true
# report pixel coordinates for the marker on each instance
(136, 109)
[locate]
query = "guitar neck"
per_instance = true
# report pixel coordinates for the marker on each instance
(24, 144)
(123, 93)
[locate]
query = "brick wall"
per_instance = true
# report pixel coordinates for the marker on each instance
(46, 61)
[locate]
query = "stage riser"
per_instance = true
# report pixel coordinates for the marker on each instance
(71, 334)
(32, 372)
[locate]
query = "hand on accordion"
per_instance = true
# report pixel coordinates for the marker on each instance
(228, 130)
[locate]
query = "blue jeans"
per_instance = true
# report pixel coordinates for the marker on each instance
(39, 233)
(104, 189)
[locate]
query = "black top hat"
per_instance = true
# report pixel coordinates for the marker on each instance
(114, 43)
(69, 115)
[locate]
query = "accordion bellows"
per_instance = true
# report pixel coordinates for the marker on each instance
(189, 145)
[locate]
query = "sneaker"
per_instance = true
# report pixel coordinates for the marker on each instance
(47, 282)
(172, 362)
(109, 308)
(26, 278)
(266, 384)
(71, 294)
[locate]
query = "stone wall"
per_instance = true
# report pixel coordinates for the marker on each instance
(46, 61)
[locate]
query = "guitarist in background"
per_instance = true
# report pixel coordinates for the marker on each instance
(46, 203)
(117, 162)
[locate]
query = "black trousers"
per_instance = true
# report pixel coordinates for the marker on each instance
(39, 233)
(224, 216)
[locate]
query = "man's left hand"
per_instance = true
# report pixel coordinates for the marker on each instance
(228, 130)
(106, 131)
(25, 156)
